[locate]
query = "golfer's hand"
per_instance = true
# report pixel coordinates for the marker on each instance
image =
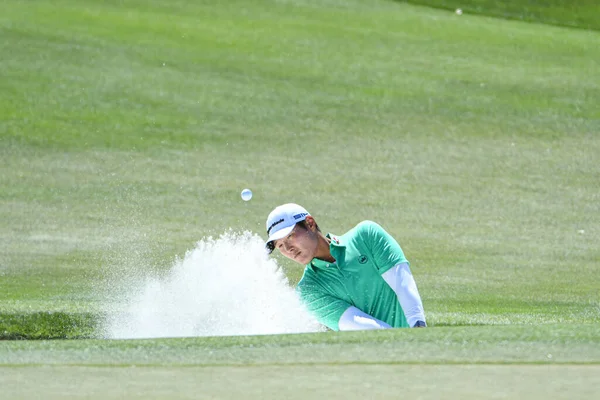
(420, 324)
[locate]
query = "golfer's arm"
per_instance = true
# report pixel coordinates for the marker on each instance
(402, 282)
(355, 320)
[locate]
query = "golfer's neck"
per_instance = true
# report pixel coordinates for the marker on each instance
(323, 252)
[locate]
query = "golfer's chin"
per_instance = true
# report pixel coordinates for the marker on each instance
(301, 258)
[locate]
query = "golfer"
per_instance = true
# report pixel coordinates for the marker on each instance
(359, 280)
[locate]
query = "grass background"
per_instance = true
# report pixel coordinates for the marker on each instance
(459, 362)
(571, 13)
(128, 129)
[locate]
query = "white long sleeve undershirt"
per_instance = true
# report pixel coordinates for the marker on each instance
(355, 320)
(403, 284)
(400, 279)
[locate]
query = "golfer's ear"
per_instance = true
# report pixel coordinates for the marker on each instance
(310, 222)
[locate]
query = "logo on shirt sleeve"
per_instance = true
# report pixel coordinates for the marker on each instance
(363, 259)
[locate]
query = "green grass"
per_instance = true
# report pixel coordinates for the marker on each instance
(357, 381)
(571, 13)
(47, 325)
(128, 133)
(128, 129)
(541, 344)
(467, 362)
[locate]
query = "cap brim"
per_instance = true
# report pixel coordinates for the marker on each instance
(283, 232)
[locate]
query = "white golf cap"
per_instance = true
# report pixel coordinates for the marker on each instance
(282, 220)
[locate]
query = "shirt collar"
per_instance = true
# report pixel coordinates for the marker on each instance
(335, 246)
(336, 241)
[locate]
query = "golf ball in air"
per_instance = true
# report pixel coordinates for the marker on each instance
(246, 194)
(458, 11)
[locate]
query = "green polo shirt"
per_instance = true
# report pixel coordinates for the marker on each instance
(362, 255)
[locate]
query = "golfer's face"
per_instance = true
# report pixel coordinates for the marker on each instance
(300, 245)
